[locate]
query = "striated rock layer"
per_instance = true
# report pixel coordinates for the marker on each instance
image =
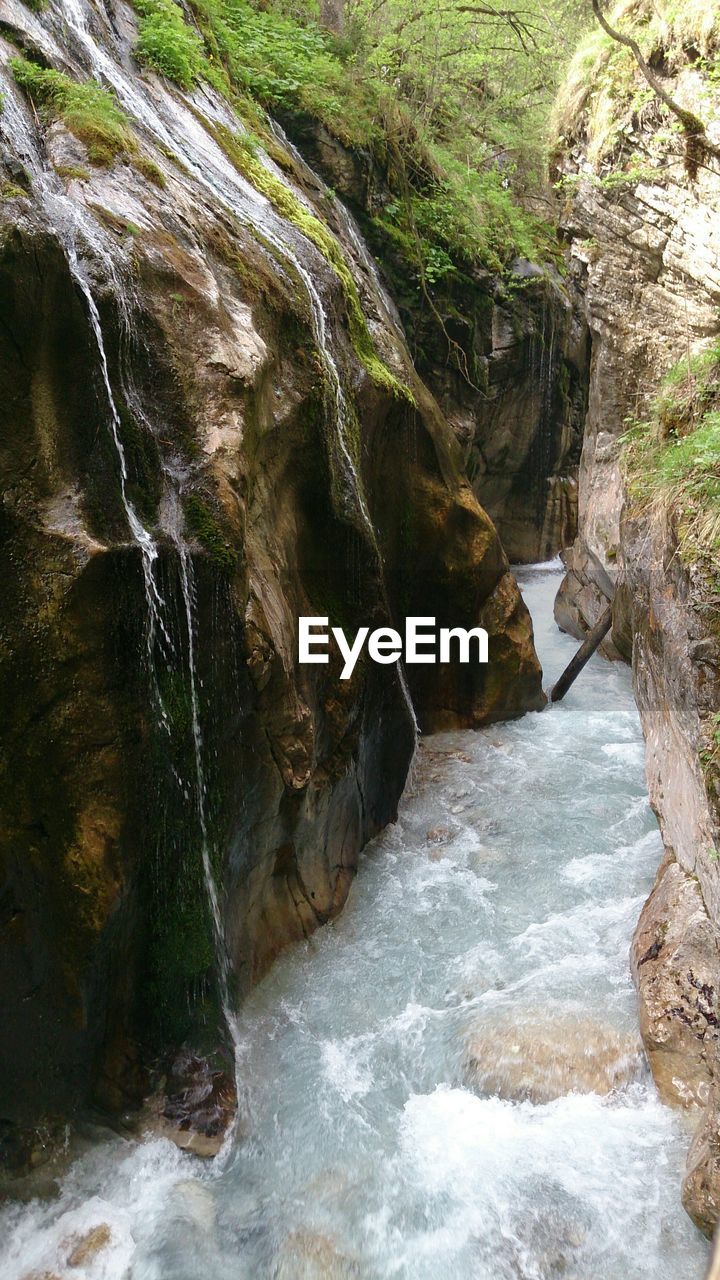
(205, 432)
(651, 255)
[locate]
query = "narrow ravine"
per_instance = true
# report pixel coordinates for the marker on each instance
(402, 1109)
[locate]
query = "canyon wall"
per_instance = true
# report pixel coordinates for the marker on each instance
(505, 354)
(209, 425)
(645, 236)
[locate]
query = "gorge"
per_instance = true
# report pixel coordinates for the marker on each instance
(232, 399)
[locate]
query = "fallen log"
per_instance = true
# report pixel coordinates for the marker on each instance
(583, 655)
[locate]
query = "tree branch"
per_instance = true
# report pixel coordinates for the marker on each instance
(696, 140)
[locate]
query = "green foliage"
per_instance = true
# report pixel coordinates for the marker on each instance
(203, 525)
(452, 107)
(168, 45)
(10, 191)
(88, 111)
(604, 92)
(674, 457)
(285, 60)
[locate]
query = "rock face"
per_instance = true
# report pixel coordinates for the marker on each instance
(676, 949)
(205, 432)
(506, 359)
(701, 1185)
(522, 428)
(650, 255)
(675, 965)
(652, 261)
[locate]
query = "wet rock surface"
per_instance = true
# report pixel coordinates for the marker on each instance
(676, 960)
(194, 1106)
(701, 1184)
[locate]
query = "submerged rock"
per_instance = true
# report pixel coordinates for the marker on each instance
(539, 1061)
(308, 1255)
(83, 1249)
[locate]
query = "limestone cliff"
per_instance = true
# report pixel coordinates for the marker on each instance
(642, 221)
(209, 425)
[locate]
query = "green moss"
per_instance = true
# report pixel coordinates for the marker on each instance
(89, 112)
(72, 172)
(203, 525)
(10, 191)
(242, 152)
(150, 170)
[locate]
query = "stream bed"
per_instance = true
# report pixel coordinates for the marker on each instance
(402, 1110)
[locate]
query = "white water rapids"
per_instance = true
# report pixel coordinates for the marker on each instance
(507, 890)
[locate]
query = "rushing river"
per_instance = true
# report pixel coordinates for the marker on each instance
(499, 906)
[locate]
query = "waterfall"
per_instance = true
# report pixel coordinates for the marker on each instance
(187, 584)
(155, 620)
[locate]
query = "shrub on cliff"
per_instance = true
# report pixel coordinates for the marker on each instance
(673, 458)
(88, 111)
(167, 44)
(604, 96)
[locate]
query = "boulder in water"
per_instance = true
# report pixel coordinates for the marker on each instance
(538, 1061)
(309, 1255)
(676, 961)
(84, 1248)
(196, 1107)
